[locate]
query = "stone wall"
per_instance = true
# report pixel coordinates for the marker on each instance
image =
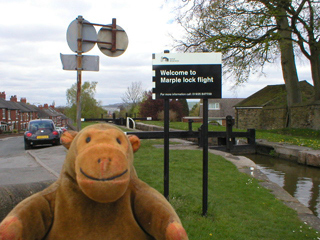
(273, 118)
(307, 116)
(248, 118)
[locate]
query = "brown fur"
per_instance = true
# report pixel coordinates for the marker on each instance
(98, 196)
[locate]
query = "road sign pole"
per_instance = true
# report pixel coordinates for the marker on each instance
(79, 70)
(81, 38)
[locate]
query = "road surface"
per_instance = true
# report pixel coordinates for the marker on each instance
(19, 166)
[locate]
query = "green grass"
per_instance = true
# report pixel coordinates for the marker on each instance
(239, 208)
(300, 137)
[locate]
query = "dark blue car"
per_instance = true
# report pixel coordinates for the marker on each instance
(39, 132)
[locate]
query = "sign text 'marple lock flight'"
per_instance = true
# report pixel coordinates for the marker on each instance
(187, 80)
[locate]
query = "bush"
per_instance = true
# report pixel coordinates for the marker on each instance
(173, 116)
(151, 108)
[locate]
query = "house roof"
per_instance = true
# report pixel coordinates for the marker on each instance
(3, 103)
(30, 107)
(49, 112)
(25, 107)
(226, 106)
(20, 106)
(16, 106)
(275, 96)
(9, 105)
(230, 102)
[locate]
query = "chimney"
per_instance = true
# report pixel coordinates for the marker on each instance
(40, 106)
(14, 98)
(3, 95)
(23, 100)
(46, 105)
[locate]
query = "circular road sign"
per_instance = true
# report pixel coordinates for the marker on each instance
(105, 35)
(88, 33)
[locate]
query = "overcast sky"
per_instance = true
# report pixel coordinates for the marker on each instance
(33, 34)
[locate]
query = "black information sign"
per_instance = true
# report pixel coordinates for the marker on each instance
(180, 77)
(187, 75)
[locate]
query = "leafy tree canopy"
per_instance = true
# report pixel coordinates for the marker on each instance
(90, 107)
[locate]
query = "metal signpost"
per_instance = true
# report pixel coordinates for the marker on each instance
(187, 75)
(112, 41)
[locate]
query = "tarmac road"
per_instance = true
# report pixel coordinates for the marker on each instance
(11, 146)
(18, 166)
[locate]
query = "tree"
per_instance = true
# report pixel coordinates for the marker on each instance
(90, 108)
(302, 26)
(248, 33)
(195, 111)
(305, 25)
(185, 107)
(133, 96)
(151, 108)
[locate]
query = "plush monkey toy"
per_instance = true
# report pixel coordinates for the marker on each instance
(98, 196)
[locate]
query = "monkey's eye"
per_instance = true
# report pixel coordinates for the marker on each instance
(88, 139)
(118, 140)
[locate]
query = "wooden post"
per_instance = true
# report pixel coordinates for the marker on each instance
(79, 70)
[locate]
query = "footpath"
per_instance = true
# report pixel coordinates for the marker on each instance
(42, 167)
(22, 176)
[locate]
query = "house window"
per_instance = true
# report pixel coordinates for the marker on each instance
(9, 114)
(3, 113)
(214, 106)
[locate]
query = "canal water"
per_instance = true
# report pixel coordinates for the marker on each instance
(302, 182)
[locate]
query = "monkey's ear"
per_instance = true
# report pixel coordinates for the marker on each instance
(67, 138)
(135, 142)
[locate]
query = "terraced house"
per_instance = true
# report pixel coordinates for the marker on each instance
(15, 115)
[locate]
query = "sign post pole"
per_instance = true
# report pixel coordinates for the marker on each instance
(205, 158)
(81, 37)
(79, 70)
(166, 148)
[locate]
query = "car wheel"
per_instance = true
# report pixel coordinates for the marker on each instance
(56, 143)
(27, 146)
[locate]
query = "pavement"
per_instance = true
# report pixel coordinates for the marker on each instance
(37, 165)
(21, 177)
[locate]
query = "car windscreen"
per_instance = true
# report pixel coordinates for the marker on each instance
(37, 125)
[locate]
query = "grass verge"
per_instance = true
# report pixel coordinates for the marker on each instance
(239, 208)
